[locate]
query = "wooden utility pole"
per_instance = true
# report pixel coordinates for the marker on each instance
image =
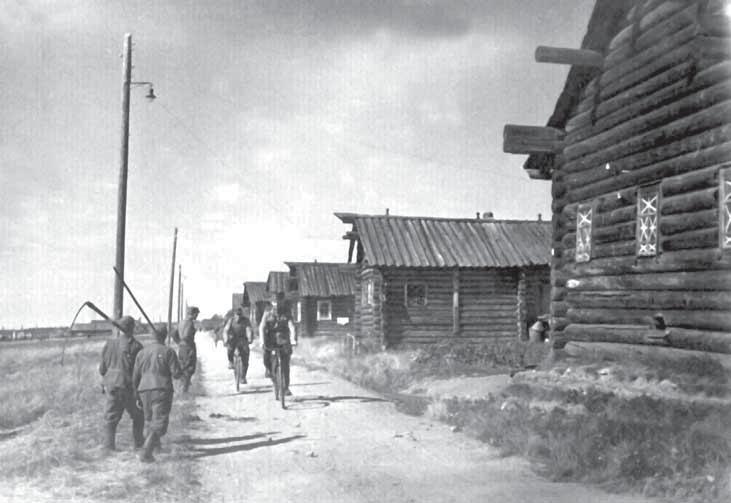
(172, 284)
(180, 292)
(122, 189)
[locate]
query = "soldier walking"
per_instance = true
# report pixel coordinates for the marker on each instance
(117, 364)
(184, 336)
(156, 367)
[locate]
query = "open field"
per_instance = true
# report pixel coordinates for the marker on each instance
(51, 424)
(640, 426)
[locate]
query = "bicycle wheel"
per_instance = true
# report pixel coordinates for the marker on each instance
(275, 374)
(281, 383)
(237, 371)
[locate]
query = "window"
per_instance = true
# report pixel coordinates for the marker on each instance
(725, 210)
(415, 294)
(583, 232)
(298, 313)
(648, 199)
(367, 293)
(324, 310)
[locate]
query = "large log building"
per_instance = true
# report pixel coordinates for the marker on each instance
(638, 152)
(425, 280)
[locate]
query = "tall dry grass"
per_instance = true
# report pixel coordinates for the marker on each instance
(57, 411)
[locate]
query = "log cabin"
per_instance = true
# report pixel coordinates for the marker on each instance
(256, 300)
(325, 297)
(638, 153)
(426, 280)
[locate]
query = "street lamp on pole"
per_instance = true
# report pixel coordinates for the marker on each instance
(122, 188)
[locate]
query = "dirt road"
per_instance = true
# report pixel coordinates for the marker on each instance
(339, 442)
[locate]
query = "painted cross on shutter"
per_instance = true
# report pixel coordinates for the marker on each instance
(583, 233)
(647, 206)
(725, 208)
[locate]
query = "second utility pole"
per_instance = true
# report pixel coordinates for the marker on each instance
(122, 190)
(172, 283)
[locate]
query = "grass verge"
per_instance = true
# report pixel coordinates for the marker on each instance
(57, 411)
(651, 426)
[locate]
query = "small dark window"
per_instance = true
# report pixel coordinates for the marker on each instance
(648, 205)
(415, 294)
(324, 310)
(584, 216)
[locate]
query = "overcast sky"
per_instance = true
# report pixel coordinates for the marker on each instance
(270, 116)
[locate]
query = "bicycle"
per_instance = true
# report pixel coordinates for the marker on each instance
(277, 375)
(238, 368)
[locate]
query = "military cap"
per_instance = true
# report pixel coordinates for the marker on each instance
(126, 324)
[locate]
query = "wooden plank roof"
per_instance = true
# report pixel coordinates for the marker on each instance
(255, 291)
(278, 282)
(321, 279)
(396, 241)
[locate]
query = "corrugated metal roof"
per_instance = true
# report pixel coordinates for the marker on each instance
(397, 241)
(255, 291)
(277, 282)
(320, 279)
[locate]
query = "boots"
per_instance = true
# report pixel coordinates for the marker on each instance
(138, 432)
(146, 455)
(110, 431)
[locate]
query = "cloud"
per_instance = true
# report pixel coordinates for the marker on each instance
(414, 18)
(226, 193)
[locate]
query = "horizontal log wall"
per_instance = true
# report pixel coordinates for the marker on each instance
(342, 307)
(658, 112)
(488, 304)
(417, 323)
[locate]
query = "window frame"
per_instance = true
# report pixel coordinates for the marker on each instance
(329, 310)
(583, 210)
(298, 312)
(406, 294)
(367, 292)
(724, 208)
(656, 188)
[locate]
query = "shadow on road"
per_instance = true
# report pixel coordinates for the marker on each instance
(333, 399)
(310, 384)
(226, 440)
(253, 390)
(242, 419)
(202, 453)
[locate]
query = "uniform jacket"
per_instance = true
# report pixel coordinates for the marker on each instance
(185, 333)
(276, 328)
(236, 332)
(156, 367)
(118, 360)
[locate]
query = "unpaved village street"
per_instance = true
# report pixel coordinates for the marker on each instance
(339, 442)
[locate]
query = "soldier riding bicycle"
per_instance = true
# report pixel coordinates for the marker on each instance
(277, 331)
(238, 336)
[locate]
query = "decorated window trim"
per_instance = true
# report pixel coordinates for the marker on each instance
(411, 296)
(584, 231)
(367, 292)
(647, 233)
(724, 210)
